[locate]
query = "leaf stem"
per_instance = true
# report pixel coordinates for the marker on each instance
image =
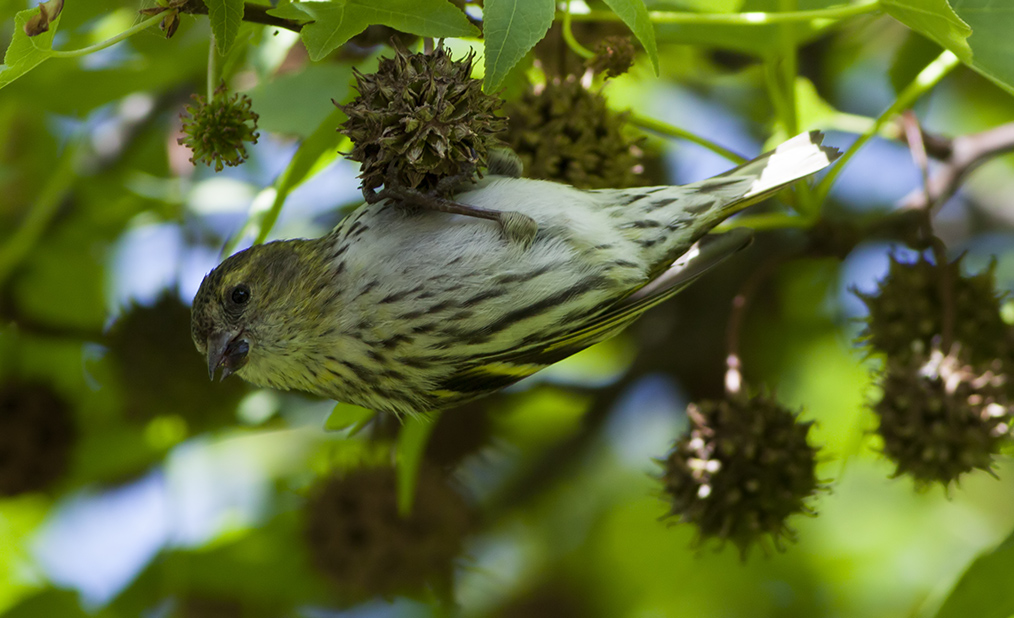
(751, 18)
(84, 51)
(412, 441)
(652, 124)
(786, 61)
(568, 36)
(927, 78)
(212, 67)
(785, 73)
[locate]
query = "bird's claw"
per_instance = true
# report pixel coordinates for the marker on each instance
(518, 227)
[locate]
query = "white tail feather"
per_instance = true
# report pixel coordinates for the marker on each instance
(799, 157)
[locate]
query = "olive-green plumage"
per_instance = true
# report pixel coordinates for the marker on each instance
(406, 311)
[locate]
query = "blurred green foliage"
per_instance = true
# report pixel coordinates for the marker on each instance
(559, 471)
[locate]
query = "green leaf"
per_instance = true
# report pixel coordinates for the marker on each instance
(297, 103)
(935, 19)
(511, 29)
(412, 440)
(93, 88)
(19, 519)
(347, 416)
(333, 23)
(984, 591)
(635, 15)
(992, 44)
(912, 56)
(49, 602)
(25, 52)
(225, 16)
(812, 111)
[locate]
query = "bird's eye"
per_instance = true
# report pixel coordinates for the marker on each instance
(240, 294)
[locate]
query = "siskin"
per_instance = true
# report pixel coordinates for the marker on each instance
(410, 310)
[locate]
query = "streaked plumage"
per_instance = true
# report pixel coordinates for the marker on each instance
(407, 311)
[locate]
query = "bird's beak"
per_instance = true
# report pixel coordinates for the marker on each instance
(228, 351)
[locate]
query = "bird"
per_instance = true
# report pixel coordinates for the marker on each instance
(407, 310)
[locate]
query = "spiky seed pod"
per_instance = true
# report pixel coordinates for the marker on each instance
(215, 131)
(420, 118)
(567, 133)
(614, 55)
(741, 470)
(940, 417)
(155, 360)
(37, 433)
(907, 312)
(358, 539)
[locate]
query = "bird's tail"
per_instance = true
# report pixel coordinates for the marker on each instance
(792, 160)
(665, 221)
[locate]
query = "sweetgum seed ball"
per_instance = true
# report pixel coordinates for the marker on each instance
(420, 118)
(907, 312)
(215, 130)
(941, 418)
(161, 373)
(359, 540)
(741, 470)
(37, 434)
(566, 133)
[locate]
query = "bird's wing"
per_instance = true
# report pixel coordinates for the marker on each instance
(498, 370)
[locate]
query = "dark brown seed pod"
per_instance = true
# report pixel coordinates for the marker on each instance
(37, 435)
(567, 133)
(741, 470)
(159, 372)
(359, 540)
(941, 417)
(419, 119)
(614, 55)
(908, 310)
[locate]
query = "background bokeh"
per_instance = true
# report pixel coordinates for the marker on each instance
(168, 495)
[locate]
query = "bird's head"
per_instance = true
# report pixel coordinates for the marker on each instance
(242, 305)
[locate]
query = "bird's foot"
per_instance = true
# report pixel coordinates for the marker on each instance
(517, 227)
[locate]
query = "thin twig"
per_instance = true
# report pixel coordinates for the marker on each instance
(253, 13)
(740, 303)
(568, 36)
(923, 83)
(945, 280)
(958, 156)
(917, 146)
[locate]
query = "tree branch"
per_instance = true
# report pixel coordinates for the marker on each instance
(959, 155)
(254, 13)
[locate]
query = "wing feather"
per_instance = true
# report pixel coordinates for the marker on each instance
(495, 371)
